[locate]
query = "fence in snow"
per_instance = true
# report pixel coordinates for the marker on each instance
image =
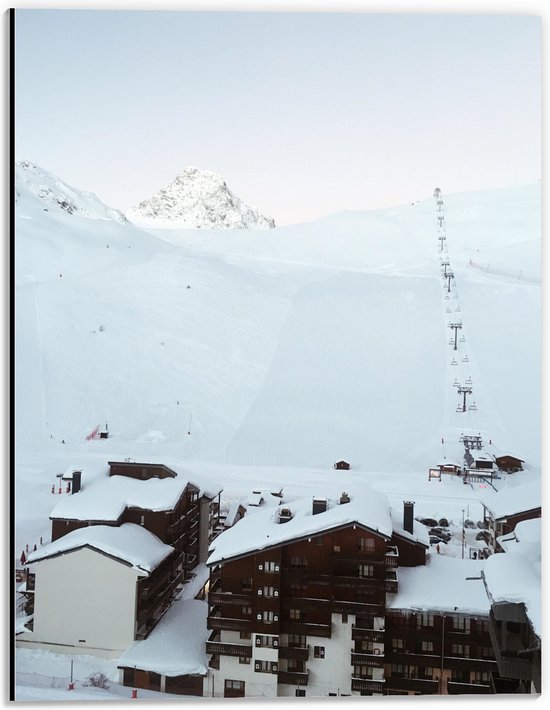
(517, 274)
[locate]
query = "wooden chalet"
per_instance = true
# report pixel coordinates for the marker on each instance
(508, 463)
(342, 466)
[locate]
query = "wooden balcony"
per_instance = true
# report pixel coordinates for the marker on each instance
(470, 664)
(345, 607)
(219, 597)
(295, 652)
(220, 648)
(292, 678)
(391, 586)
(367, 685)
(413, 659)
(372, 660)
(297, 627)
(419, 685)
(222, 623)
(360, 634)
(454, 688)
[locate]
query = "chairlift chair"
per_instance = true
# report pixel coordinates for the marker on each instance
(462, 338)
(454, 362)
(448, 310)
(456, 383)
(446, 296)
(473, 407)
(465, 359)
(469, 381)
(459, 408)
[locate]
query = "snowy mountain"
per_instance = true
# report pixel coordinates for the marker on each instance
(197, 199)
(58, 196)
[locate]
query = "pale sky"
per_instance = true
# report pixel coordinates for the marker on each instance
(303, 114)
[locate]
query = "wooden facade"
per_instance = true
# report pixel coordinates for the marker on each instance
(431, 653)
(342, 465)
(508, 463)
(141, 471)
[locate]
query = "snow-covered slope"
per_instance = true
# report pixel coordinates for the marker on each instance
(197, 199)
(292, 347)
(56, 195)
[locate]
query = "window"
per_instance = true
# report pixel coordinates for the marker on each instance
(398, 670)
(270, 567)
(362, 672)
(483, 626)
(367, 646)
(480, 677)
(142, 520)
(268, 617)
(244, 660)
(427, 646)
(424, 620)
(297, 641)
(318, 652)
(366, 544)
(246, 610)
(485, 652)
(265, 667)
(295, 614)
(246, 583)
(245, 635)
(462, 650)
(318, 541)
(366, 570)
(234, 688)
(461, 623)
(344, 618)
(425, 672)
(398, 644)
(268, 591)
(267, 641)
(336, 548)
(298, 562)
(300, 693)
(298, 590)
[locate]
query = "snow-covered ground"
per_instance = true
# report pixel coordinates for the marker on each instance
(259, 358)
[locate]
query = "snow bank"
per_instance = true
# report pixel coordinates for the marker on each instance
(129, 542)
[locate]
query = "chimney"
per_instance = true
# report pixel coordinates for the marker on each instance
(344, 498)
(285, 514)
(319, 505)
(77, 475)
(408, 515)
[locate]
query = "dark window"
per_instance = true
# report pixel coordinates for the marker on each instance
(318, 651)
(246, 582)
(245, 635)
(344, 618)
(300, 693)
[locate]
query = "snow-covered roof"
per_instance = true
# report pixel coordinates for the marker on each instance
(255, 499)
(262, 530)
(232, 512)
(107, 498)
(420, 532)
(129, 542)
(515, 575)
(176, 646)
(442, 586)
(516, 499)
(449, 462)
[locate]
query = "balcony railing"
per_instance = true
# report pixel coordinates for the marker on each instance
(297, 627)
(455, 688)
(367, 659)
(229, 598)
(421, 685)
(221, 623)
(220, 648)
(292, 677)
(295, 652)
(360, 634)
(391, 586)
(367, 685)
